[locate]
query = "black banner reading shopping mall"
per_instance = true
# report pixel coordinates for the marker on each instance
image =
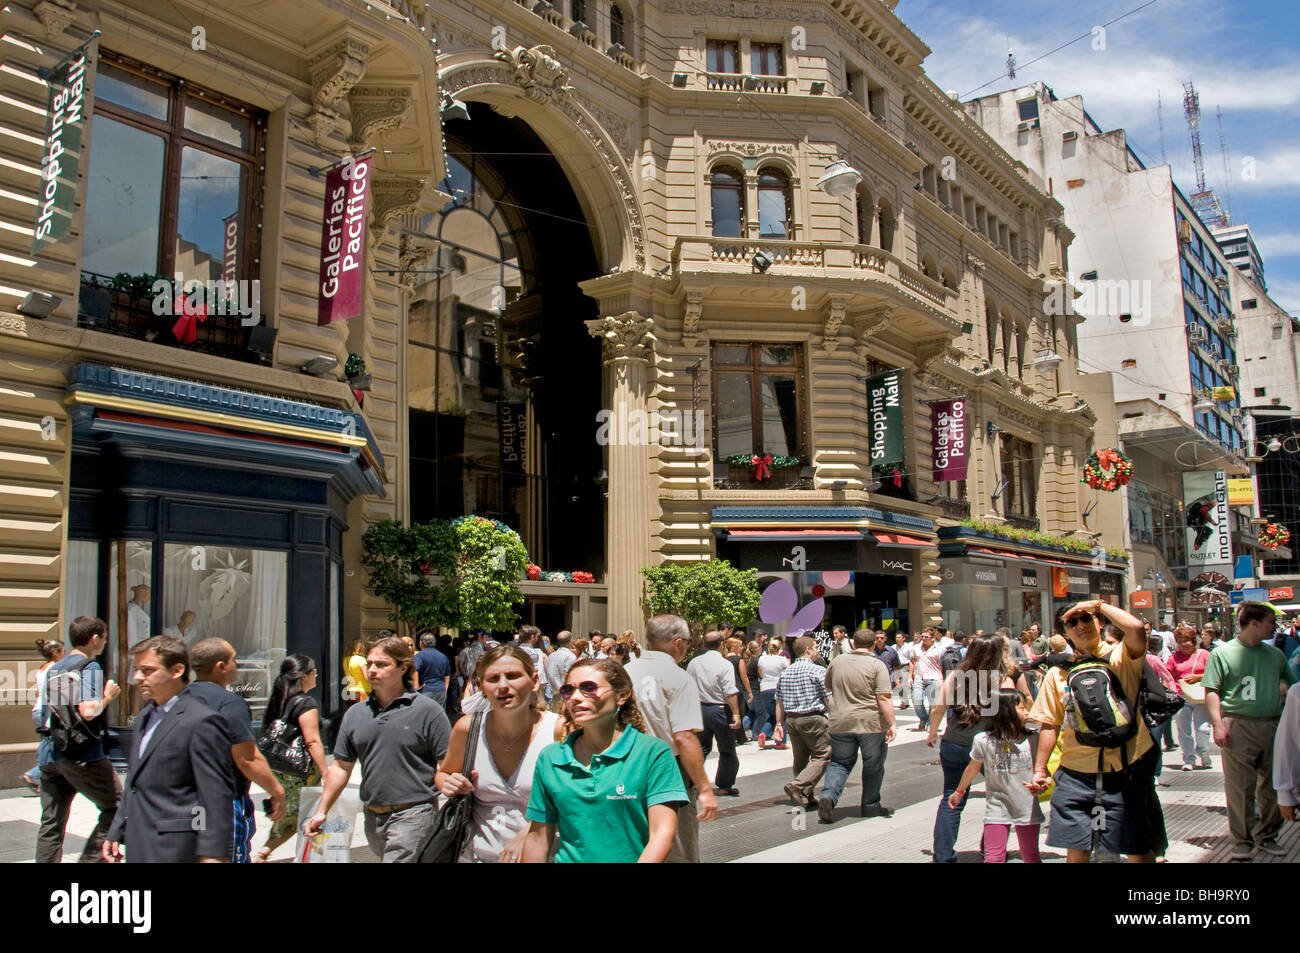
(66, 114)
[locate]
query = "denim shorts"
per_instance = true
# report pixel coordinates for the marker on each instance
(1123, 823)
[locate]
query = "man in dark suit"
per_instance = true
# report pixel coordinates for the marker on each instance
(181, 782)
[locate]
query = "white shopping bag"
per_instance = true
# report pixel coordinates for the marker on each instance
(333, 844)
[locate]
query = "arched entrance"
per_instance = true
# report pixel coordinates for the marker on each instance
(504, 379)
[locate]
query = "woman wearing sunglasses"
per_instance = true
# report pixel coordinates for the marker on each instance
(1125, 790)
(609, 790)
(515, 730)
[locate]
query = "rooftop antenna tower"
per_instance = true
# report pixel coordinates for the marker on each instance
(1011, 60)
(1227, 169)
(1160, 121)
(1204, 202)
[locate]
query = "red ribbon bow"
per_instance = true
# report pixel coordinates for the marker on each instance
(185, 330)
(762, 466)
(1106, 459)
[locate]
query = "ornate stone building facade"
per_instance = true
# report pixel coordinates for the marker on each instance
(602, 279)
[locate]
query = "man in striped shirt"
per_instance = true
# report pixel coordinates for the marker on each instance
(801, 703)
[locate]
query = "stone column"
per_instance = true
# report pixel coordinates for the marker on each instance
(626, 345)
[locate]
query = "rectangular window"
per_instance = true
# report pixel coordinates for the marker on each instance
(1019, 498)
(758, 400)
(766, 59)
(1028, 109)
(1259, 391)
(723, 56)
(240, 595)
(1249, 304)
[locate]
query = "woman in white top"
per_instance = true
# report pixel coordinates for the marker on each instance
(514, 731)
(770, 667)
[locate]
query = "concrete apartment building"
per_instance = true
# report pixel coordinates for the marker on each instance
(1159, 317)
(1269, 343)
(577, 209)
(1238, 246)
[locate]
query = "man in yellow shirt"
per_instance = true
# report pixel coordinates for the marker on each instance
(1116, 805)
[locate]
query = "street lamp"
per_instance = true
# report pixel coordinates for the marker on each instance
(839, 179)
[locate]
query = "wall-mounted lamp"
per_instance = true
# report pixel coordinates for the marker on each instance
(992, 429)
(761, 261)
(41, 304)
(997, 495)
(320, 364)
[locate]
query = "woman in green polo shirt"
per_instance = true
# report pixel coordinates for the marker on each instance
(609, 790)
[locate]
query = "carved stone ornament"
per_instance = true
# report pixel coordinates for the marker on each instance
(691, 317)
(536, 69)
(873, 323)
(333, 74)
(55, 15)
(974, 262)
(714, 147)
(413, 255)
(627, 337)
(391, 196)
(929, 357)
(377, 109)
(836, 306)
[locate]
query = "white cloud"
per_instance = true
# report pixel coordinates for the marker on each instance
(1278, 244)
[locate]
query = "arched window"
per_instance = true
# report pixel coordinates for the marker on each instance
(864, 216)
(728, 193)
(928, 267)
(1007, 330)
(773, 204)
(578, 11)
(887, 223)
(1022, 334)
(616, 24)
(991, 326)
(949, 279)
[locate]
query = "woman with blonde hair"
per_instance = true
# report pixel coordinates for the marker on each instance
(770, 667)
(734, 654)
(628, 638)
(510, 737)
(609, 790)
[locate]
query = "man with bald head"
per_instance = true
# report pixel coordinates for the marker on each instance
(215, 667)
(184, 628)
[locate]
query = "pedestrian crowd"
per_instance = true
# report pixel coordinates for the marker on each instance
(594, 748)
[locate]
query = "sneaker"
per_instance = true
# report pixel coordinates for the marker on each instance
(1206, 762)
(878, 811)
(1188, 767)
(1273, 848)
(1242, 853)
(825, 810)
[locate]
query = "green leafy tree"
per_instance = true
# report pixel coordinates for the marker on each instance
(463, 574)
(703, 592)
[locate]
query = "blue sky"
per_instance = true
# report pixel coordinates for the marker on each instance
(1242, 56)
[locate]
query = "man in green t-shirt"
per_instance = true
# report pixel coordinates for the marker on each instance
(1245, 684)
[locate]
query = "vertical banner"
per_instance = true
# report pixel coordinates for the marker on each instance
(512, 431)
(66, 113)
(948, 453)
(343, 242)
(1205, 499)
(885, 413)
(230, 248)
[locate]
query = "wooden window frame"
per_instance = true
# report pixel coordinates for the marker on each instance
(175, 138)
(755, 369)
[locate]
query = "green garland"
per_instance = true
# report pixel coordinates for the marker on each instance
(1037, 536)
(747, 460)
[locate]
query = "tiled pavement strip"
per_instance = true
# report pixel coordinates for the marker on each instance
(762, 826)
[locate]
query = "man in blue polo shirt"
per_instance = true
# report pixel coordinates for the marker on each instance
(434, 669)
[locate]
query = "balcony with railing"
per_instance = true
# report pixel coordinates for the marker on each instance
(128, 306)
(1017, 521)
(953, 508)
(746, 83)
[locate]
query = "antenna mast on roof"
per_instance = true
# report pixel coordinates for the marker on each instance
(1204, 202)
(1227, 169)
(1160, 121)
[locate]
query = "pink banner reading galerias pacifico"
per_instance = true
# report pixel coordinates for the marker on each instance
(343, 242)
(949, 449)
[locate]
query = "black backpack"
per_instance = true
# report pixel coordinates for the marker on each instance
(67, 730)
(1095, 706)
(1156, 701)
(950, 659)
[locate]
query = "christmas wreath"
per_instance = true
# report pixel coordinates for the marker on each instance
(764, 465)
(1274, 535)
(1107, 470)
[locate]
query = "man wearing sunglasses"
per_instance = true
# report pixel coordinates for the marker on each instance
(1102, 791)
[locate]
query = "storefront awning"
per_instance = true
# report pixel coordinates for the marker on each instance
(780, 534)
(900, 541)
(1018, 557)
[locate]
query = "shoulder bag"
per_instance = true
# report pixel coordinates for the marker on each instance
(451, 826)
(282, 743)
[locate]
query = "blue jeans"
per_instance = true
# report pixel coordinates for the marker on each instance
(844, 755)
(764, 712)
(924, 694)
(953, 759)
(1193, 731)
